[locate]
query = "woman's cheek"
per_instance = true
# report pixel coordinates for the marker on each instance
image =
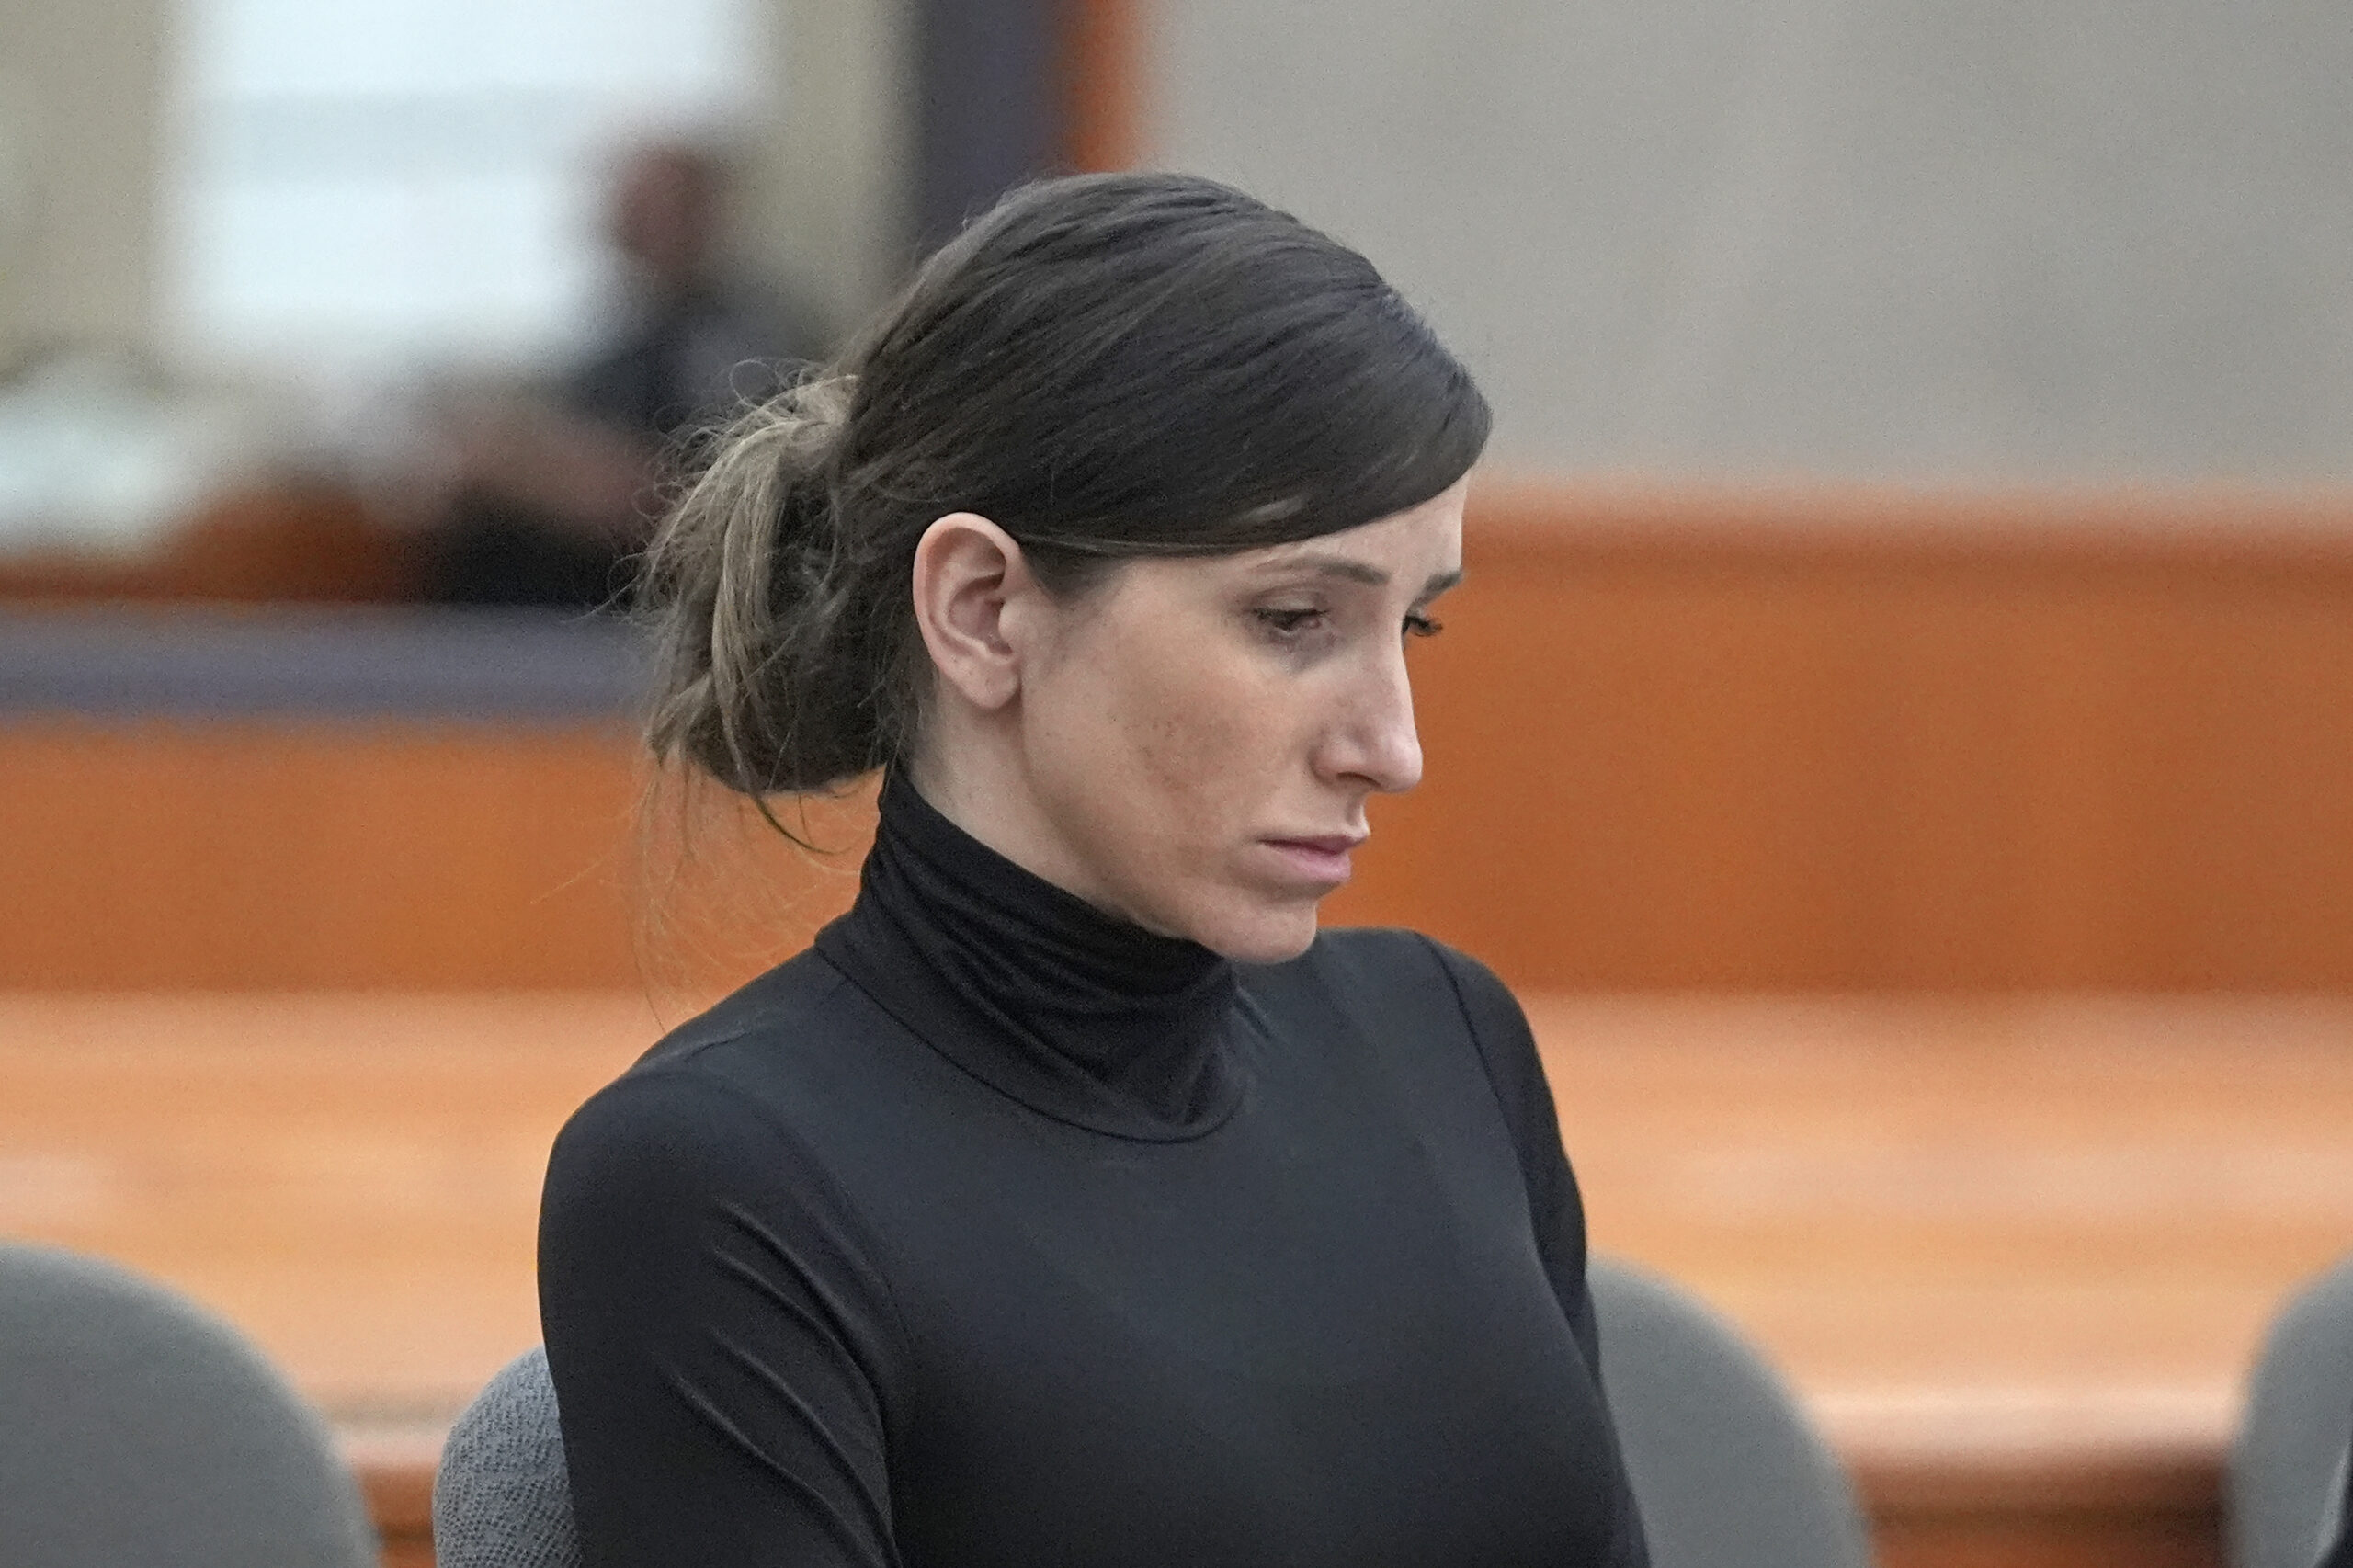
(1218, 732)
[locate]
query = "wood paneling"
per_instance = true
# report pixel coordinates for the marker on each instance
(395, 1470)
(2053, 1541)
(292, 542)
(2015, 1253)
(1103, 76)
(2014, 1256)
(1821, 740)
(1861, 740)
(393, 852)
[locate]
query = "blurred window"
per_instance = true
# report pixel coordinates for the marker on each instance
(381, 185)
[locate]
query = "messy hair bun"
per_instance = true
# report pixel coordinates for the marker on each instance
(767, 689)
(1104, 366)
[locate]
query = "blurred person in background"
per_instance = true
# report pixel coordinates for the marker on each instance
(546, 501)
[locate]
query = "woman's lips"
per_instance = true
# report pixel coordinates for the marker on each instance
(1322, 861)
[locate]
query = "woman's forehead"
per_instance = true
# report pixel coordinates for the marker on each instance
(1422, 544)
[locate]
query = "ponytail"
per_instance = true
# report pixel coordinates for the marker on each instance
(767, 683)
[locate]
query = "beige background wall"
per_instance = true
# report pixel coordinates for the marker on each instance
(2079, 238)
(829, 207)
(2087, 239)
(82, 85)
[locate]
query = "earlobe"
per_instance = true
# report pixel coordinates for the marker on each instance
(966, 568)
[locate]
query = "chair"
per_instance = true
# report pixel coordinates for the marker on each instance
(136, 1427)
(502, 1497)
(1726, 1470)
(2286, 1480)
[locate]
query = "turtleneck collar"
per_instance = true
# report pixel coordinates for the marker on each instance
(1082, 1017)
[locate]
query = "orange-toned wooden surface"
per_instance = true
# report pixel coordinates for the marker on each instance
(1871, 740)
(303, 541)
(2014, 1254)
(1832, 741)
(401, 853)
(1103, 73)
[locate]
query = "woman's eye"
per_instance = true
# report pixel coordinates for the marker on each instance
(1423, 626)
(1290, 622)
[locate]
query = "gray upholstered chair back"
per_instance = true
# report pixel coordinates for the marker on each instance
(502, 1497)
(136, 1427)
(1727, 1470)
(2286, 1480)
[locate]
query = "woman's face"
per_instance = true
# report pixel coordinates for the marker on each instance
(1200, 735)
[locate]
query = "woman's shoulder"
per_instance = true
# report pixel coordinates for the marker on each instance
(1385, 969)
(755, 1067)
(720, 1136)
(765, 1018)
(1408, 989)
(1403, 992)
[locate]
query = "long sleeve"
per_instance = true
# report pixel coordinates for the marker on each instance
(837, 1276)
(721, 1343)
(1555, 1208)
(2340, 1552)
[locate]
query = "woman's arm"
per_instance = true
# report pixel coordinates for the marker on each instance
(723, 1348)
(2340, 1550)
(1556, 1209)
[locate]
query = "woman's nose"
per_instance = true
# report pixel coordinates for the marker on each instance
(1377, 743)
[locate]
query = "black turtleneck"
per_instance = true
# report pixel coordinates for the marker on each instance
(994, 1230)
(1089, 1020)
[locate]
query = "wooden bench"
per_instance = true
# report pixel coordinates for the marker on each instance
(2013, 1254)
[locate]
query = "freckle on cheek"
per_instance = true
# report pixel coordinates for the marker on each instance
(1190, 750)
(1187, 726)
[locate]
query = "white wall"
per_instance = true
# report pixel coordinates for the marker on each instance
(82, 90)
(2031, 239)
(830, 203)
(80, 95)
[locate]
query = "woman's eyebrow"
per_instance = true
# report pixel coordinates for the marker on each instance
(1366, 573)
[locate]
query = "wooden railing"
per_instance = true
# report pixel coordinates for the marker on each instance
(1821, 740)
(1861, 740)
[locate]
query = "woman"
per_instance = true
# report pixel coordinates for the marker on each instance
(1072, 1201)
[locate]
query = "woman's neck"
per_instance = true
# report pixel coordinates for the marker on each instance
(1075, 1012)
(980, 783)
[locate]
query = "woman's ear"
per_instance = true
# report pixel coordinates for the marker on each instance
(967, 571)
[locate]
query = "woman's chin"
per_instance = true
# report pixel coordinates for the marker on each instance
(1261, 933)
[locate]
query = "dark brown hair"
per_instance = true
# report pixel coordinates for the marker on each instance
(1107, 366)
